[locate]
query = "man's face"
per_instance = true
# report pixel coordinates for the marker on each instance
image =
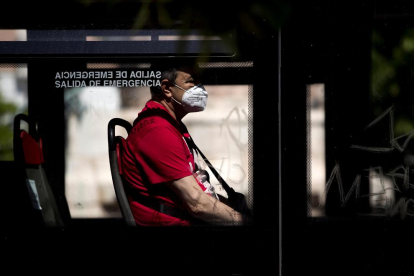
(186, 79)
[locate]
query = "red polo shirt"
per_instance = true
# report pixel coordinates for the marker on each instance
(156, 154)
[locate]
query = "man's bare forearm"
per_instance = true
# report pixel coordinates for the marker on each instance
(211, 210)
(203, 206)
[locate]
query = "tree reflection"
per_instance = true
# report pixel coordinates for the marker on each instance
(392, 74)
(7, 112)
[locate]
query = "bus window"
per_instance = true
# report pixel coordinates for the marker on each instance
(13, 100)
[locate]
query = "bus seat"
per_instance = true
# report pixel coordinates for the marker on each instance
(28, 153)
(116, 146)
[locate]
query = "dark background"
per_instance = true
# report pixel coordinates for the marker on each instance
(332, 44)
(107, 243)
(313, 43)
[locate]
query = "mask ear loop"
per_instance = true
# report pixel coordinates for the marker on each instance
(179, 87)
(177, 101)
(173, 97)
(195, 86)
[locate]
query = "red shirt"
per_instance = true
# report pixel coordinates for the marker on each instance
(156, 154)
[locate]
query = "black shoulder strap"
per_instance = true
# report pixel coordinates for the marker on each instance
(229, 190)
(235, 200)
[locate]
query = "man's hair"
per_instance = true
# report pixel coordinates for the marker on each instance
(169, 68)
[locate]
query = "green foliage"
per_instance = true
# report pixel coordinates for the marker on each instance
(7, 113)
(392, 75)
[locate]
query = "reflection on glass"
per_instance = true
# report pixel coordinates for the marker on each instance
(13, 35)
(316, 160)
(187, 37)
(13, 100)
(119, 38)
(382, 193)
(391, 96)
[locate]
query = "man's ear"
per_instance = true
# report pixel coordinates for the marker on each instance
(166, 88)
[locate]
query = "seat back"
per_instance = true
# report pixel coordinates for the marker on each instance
(28, 153)
(116, 146)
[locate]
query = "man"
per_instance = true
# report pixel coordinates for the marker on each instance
(165, 186)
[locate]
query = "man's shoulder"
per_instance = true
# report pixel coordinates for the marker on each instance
(149, 123)
(154, 123)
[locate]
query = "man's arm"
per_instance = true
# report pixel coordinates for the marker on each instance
(203, 206)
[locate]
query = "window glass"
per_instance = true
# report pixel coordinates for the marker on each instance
(13, 100)
(223, 132)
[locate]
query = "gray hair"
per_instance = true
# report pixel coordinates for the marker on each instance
(169, 68)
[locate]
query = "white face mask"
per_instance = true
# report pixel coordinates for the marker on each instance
(194, 99)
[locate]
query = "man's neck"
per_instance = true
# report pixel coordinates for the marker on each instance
(177, 114)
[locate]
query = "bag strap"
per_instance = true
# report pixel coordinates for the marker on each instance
(154, 204)
(229, 190)
(235, 200)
